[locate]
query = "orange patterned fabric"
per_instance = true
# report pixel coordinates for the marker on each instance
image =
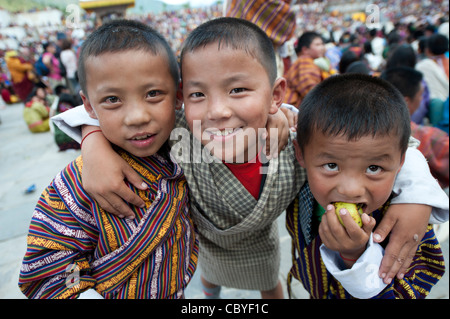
(274, 17)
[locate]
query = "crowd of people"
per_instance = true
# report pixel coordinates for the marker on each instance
(48, 59)
(407, 43)
(409, 50)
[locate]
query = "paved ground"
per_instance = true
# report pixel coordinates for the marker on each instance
(27, 159)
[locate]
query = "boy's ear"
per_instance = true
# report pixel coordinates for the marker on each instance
(278, 93)
(88, 106)
(299, 154)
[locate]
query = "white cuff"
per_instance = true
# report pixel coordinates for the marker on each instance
(70, 121)
(362, 280)
(290, 107)
(90, 294)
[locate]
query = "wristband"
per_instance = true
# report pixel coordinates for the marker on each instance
(81, 144)
(347, 259)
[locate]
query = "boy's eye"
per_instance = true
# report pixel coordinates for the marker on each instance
(237, 90)
(374, 169)
(332, 167)
(112, 99)
(196, 94)
(154, 93)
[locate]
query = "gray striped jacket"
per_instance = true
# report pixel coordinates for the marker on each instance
(239, 244)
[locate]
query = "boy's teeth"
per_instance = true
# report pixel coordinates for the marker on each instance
(225, 132)
(141, 137)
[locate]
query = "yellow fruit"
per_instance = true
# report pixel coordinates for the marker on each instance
(354, 210)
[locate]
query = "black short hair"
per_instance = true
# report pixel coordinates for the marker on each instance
(402, 55)
(305, 40)
(354, 105)
(237, 34)
(348, 57)
(437, 44)
(407, 80)
(358, 67)
(45, 45)
(123, 35)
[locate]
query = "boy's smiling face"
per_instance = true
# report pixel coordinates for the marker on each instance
(132, 94)
(361, 171)
(229, 92)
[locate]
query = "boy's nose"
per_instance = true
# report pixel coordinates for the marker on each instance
(137, 114)
(351, 188)
(218, 109)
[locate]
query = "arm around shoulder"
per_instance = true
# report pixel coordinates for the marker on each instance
(416, 185)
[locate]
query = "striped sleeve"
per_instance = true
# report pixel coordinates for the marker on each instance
(56, 263)
(424, 272)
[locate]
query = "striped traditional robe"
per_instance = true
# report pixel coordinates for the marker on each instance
(74, 245)
(301, 78)
(424, 272)
(274, 17)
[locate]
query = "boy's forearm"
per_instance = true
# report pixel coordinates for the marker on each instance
(92, 140)
(416, 185)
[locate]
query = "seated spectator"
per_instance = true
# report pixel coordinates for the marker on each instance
(36, 112)
(65, 101)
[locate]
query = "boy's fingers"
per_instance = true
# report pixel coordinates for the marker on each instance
(116, 207)
(383, 229)
(326, 235)
(395, 258)
(351, 227)
(335, 225)
(129, 196)
(291, 117)
(398, 257)
(368, 222)
(133, 177)
(272, 148)
(117, 202)
(266, 136)
(408, 260)
(283, 142)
